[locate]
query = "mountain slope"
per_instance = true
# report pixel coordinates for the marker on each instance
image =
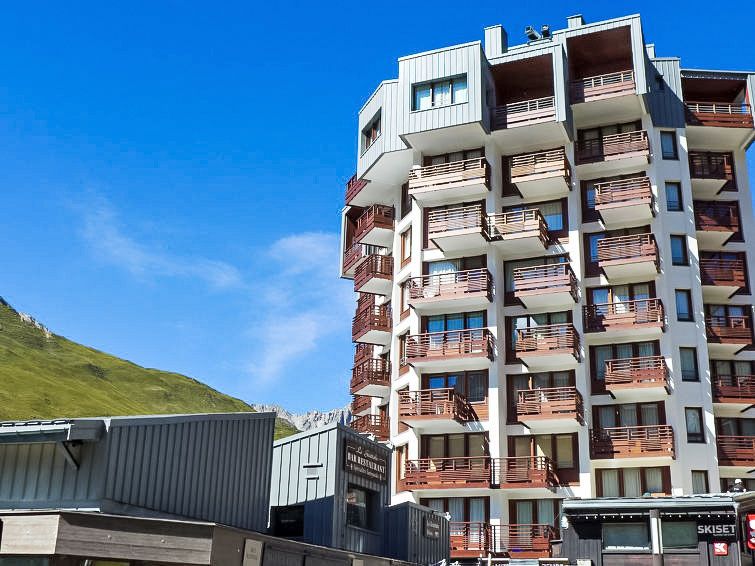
(43, 375)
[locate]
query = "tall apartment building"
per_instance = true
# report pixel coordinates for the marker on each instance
(550, 244)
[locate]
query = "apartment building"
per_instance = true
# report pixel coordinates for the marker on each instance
(550, 244)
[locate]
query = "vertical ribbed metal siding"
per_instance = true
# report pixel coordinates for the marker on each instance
(404, 535)
(751, 93)
(665, 102)
(204, 467)
(386, 101)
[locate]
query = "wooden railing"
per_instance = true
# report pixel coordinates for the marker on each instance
(539, 279)
(361, 403)
(602, 86)
(734, 387)
(443, 174)
(378, 425)
(353, 186)
(625, 314)
(548, 339)
(632, 441)
(476, 342)
(373, 318)
(451, 285)
(524, 471)
(733, 329)
(470, 217)
(375, 371)
(441, 402)
(365, 302)
(611, 146)
(380, 266)
(721, 114)
(472, 539)
(728, 272)
(628, 249)
(439, 473)
(511, 225)
(362, 353)
(736, 450)
(711, 165)
(521, 113)
(550, 403)
(359, 251)
(623, 192)
(540, 164)
(376, 216)
(716, 216)
(630, 373)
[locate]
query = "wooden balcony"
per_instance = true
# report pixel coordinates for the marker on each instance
(472, 540)
(545, 285)
(356, 254)
(362, 353)
(541, 174)
(722, 278)
(377, 425)
(374, 275)
(638, 378)
(624, 202)
(434, 409)
(372, 325)
(465, 180)
(651, 441)
(613, 154)
(736, 450)
(371, 377)
(468, 290)
(734, 389)
(523, 113)
(375, 226)
(711, 173)
(520, 232)
(448, 473)
(524, 472)
(600, 87)
(353, 186)
(550, 409)
(555, 345)
(716, 222)
(642, 318)
(361, 405)
(729, 333)
(454, 349)
(629, 257)
(718, 114)
(462, 228)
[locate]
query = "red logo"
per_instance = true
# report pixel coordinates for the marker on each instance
(720, 548)
(751, 531)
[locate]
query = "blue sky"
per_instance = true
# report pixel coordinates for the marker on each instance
(172, 173)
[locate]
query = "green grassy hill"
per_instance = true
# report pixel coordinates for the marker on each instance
(43, 375)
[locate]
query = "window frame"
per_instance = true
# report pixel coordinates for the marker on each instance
(369, 507)
(685, 252)
(695, 437)
(463, 377)
(664, 155)
(678, 187)
(688, 294)
(406, 246)
(707, 480)
(434, 86)
(372, 132)
(693, 349)
(665, 479)
(597, 386)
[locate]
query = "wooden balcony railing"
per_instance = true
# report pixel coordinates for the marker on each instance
(366, 301)
(631, 373)
(353, 186)
(375, 371)
(734, 389)
(524, 112)
(374, 318)
(524, 471)
(602, 86)
(441, 403)
(712, 216)
(613, 146)
(440, 473)
(601, 317)
(451, 285)
(375, 266)
(358, 252)
(727, 272)
(625, 192)
(470, 540)
(720, 114)
(628, 249)
(375, 216)
(632, 441)
(530, 166)
(470, 217)
(377, 425)
(545, 279)
(547, 339)
(729, 329)
(711, 165)
(476, 342)
(521, 223)
(439, 176)
(361, 403)
(736, 450)
(362, 353)
(550, 403)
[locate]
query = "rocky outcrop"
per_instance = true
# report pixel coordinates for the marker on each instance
(312, 419)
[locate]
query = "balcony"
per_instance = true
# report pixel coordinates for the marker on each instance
(531, 476)
(462, 228)
(372, 325)
(733, 390)
(550, 409)
(451, 350)
(371, 377)
(375, 226)
(711, 173)
(641, 318)
(356, 254)
(361, 405)
(542, 286)
(374, 275)
(614, 154)
(377, 425)
(716, 222)
(629, 257)
(728, 334)
(518, 233)
(472, 540)
(736, 450)
(362, 353)
(624, 202)
(637, 379)
(600, 87)
(550, 346)
(354, 187)
(718, 125)
(722, 278)
(448, 473)
(462, 290)
(466, 180)
(541, 174)
(524, 113)
(605, 98)
(653, 441)
(441, 409)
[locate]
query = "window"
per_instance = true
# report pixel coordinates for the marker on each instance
(510, 266)
(748, 483)
(562, 449)
(288, 521)
(552, 382)
(673, 197)
(453, 446)
(440, 93)
(626, 536)
(693, 416)
(668, 145)
(461, 509)
(679, 250)
(473, 385)
(632, 482)
(406, 246)
(528, 321)
(455, 321)
(699, 481)
(371, 133)
(535, 511)
(688, 364)
(406, 200)
(591, 246)
(403, 366)
(600, 354)
(359, 507)
(554, 213)
(629, 415)
(405, 299)
(679, 534)
(727, 426)
(683, 305)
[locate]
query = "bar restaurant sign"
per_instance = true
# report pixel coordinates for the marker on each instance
(365, 462)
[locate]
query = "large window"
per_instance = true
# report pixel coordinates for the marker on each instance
(535, 511)
(599, 355)
(461, 509)
(619, 295)
(473, 385)
(360, 505)
(632, 482)
(440, 93)
(679, 250)
(693, 416)
(554, 213)
(629, 414)
(688, 362)
(455, 321)
(673, 196)
(454, 156)
(562, 449)
(668, 145)
(727, 426)
(678, 535)
(700, 481)
(454, 445)
(406, 200)
(626, 536)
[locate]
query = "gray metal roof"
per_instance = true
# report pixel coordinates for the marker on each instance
(610, 504)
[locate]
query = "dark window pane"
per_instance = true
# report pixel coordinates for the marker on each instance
(668, 145)
(673, 197)
(683, 305)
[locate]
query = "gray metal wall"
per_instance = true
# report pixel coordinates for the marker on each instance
(404, 535)
(386, 101)
(665, 93)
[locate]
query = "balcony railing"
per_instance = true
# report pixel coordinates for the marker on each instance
(550, 403)
(736, 450)
(628, 249)
(632, 442)
(375, 318)
(470, 540)
(720, 114)
(362, 353)
(440, 473)
(471, 217)
(456, 284)
(376, 216)
(734, 389)
(545, 279)
(602, 86)
(375, 371)
(377, 425)
(521, 223)
(524, 471)
(531, 166)
(625, 192)
(547, 339)
(361, 403)
(622, 315)
(711, 165)
(716, 216)
(727, 272)
(613, 146)
(439, 176)
(632, 373)
(353, 186)
(476, 342)
(375, 266)
(358, 252)
(731, 329)
(441, 403)
(524, 112)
